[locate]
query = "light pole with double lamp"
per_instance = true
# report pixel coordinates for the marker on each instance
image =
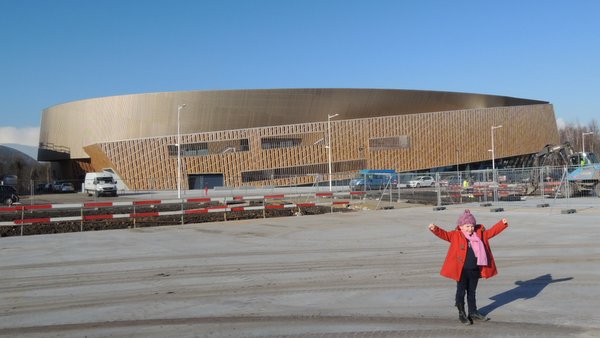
(494, 183)
(329, 117)
(179, 107)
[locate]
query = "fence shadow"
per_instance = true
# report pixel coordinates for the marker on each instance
(524, 290)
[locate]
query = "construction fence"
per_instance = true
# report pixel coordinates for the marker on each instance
(449, 187)
(367, 189)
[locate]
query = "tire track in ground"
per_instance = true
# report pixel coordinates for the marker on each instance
(133, 259)
(201, 282)
(200, 265)
(303, 326)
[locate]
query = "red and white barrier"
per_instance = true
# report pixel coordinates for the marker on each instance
(172, 201)
(218, 208)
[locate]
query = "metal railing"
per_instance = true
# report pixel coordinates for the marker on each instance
(448, 187)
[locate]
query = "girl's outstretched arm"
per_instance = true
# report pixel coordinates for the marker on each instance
(441, 233)
(497, 228)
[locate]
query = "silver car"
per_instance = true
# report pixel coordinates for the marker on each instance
(421, 181)
(67, 187)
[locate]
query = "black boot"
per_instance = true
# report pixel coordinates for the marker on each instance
(462, 316)
(478, 316)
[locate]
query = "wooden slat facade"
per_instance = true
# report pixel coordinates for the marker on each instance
(430, 140)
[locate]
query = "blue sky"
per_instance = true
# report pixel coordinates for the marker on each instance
(55, 51)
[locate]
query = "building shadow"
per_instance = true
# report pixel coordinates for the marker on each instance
(525, 290)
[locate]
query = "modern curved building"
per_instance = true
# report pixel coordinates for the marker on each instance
(280, 136)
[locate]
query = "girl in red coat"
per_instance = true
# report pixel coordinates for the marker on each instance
(469, 258)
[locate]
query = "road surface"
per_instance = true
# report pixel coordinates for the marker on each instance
(364, 274)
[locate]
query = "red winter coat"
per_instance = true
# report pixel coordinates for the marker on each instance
(457, 253)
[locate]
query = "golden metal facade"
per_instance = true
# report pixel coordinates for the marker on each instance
(278, 137)
(67, 128)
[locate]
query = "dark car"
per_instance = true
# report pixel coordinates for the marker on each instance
(8, 194)
(67, 187)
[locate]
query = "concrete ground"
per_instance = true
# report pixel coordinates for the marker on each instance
(364, 273)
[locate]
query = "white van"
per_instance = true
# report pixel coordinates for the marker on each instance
(100, 184)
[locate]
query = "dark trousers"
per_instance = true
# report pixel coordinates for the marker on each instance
(467, 284)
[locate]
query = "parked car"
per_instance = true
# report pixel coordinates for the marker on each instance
(67, 187)
(56, 186)
(8, 194)
(421, 181)
(372, 179)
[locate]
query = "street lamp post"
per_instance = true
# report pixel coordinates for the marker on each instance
(329, 117)
(495, 183)
(457, 171)
(179, 107)
(583, 139)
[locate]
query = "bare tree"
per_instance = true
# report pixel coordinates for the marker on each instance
(573, 133)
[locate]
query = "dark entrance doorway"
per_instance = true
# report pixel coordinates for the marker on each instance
(201, 181)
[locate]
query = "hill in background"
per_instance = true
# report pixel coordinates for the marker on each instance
(15, 162)
(30, 151)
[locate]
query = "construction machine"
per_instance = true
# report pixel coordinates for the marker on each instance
(582, 169)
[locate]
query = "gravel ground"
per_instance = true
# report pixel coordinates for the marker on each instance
(363, 273)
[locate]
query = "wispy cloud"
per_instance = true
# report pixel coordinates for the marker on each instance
(560, 123)
(29, 136)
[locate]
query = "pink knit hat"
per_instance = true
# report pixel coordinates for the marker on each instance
(466, 218)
